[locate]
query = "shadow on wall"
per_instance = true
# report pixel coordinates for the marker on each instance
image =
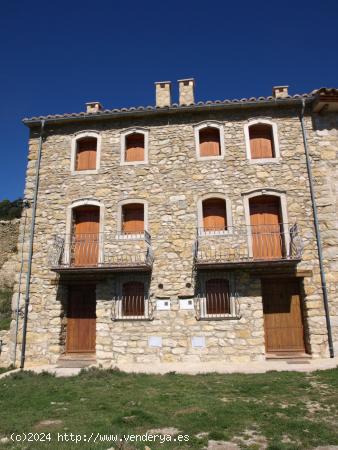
(327, 121)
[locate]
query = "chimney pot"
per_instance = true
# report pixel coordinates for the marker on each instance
(93, 107)
(186, 91)
(163, 93)
(280, 91)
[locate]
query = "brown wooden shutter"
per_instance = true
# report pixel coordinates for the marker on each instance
(85, 242)
(210, 144)
(133, 218)
(214, 214)
(133, 298)
(217, 296)
(86, 154)
(261, 141)
(134, 147)
(265, 217)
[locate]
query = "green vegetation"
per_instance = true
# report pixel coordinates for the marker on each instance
(10, 210)
(5, 308)
(286, 410)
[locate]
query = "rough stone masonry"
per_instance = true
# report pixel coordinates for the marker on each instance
(172, 184)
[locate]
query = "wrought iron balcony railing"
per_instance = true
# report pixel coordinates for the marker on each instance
(216, 307)
(105, 251)
(248, 244)
(132, 308)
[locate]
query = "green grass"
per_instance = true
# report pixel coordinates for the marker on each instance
(5, 308)
(289, 410)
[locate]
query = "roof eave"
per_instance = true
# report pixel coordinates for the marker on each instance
(109, 114)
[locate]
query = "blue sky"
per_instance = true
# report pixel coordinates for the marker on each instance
(55, 56)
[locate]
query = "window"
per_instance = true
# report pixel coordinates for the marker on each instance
(133, 218)
(261, 141)
(214, 215)
(133, 299)
(210, 144)
(209, 140)
(86, 151)
(134, 148)
(217, 296)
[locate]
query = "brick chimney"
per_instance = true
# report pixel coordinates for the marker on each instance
(280, 91)
(163, 93)
(186, 91)
(93, 107)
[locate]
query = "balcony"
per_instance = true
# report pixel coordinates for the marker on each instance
(101, 252)
(248, 246)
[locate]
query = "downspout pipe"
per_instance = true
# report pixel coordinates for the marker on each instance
(318, 235)
(30, 252)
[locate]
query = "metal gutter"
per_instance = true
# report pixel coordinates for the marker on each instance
(150, 110)
(318, 235)
(30, 252)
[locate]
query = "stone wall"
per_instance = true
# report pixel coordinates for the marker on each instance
(172, 184)
(324, 150)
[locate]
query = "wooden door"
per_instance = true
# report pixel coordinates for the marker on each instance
(133, 298)
(214, 214)
(283, 320)
(266, 226)
(261, 141)
(81, 320)
(133, 218)
(217, 296)
(85, 241)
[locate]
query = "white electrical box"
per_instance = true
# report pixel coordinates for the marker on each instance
(155, 341)
(163, 305)
(186, 303)
(198, 341)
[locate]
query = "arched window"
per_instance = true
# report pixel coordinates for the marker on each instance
(214, 215)
(134, 147)
(132, 218)
(86, 153)
(261, 141)
(217, 296)
(210, 142)
(133, 298)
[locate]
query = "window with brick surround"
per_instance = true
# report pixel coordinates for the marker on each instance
(134, 148)
(209, 140)
(214, 215)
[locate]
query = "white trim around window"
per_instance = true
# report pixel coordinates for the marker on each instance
(122, 203)
(200, 223)
(126, 133)
(75, 138)
(209, 124)
(252, 122)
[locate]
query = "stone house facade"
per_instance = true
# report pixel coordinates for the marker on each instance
(182, 232)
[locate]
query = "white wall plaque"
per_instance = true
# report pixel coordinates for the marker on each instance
(198, 341)
(155, 341)
(186, 303)
(163, 305)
